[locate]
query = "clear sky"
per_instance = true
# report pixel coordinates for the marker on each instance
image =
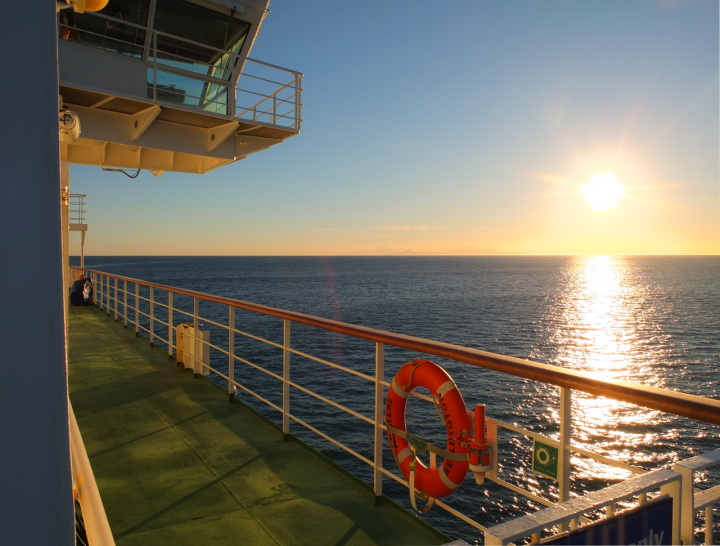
(464, 127)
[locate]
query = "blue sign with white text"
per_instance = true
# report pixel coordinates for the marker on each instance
(646, 525)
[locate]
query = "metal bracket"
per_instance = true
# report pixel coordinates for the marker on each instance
(218, 135)
(140, 121)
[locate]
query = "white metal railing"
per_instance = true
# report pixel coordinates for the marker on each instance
(94, 518)
(106, 296)
(77, 208)
(696, 501)
(667, 481)
(234, 87)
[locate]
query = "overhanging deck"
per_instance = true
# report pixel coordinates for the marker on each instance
(176, 464)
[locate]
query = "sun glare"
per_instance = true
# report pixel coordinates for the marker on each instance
(603, 191)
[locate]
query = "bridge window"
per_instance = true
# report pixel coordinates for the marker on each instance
(198, 24)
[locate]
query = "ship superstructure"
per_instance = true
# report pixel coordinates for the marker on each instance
(168, 85)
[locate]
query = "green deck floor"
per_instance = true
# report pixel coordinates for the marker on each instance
(177, 464)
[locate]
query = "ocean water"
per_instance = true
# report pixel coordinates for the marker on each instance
(652, 320)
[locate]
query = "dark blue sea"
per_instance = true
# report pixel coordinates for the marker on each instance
(652, 320)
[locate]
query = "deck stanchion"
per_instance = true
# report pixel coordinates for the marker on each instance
(708, 525)
(379, 413)
(155, 56)
(674, 489)
(231, 354)
(298, 104)
(137, 309)
(492, 440)
(152, 316)
(196, 326)
(116, 299)
(170, 324)
(565, 437)
(125, 302)
(94, 283)
(286, 379)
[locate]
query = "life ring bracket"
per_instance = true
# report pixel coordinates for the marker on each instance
(422, 446)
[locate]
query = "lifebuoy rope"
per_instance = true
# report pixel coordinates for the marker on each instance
(423, 447)
(411, 483)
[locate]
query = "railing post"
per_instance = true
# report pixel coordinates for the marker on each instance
(155, 56)
(196, 326)
(125, 302)
(379, 413)
(687, 516)
(286, 379)
(492, 440)
(231, 355)
(232, 96)
(170, 324)
(565, 438)
(708, 525)
(137, 309)
(274, 117)
(298, 98)
(674, 489)
(93, 277)
(152, 316)
(116, 300)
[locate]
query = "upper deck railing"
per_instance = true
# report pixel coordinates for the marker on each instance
(112, 295)
(77, 208)
(212, 81)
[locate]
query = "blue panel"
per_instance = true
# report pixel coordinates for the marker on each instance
(646, 525)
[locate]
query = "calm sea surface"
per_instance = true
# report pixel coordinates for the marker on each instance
(652, 320)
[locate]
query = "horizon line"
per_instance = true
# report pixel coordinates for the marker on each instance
(398, 255)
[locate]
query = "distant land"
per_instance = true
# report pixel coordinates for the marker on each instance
(467, 250)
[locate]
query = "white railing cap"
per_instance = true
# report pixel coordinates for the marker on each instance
(708, 497)
(701, 462)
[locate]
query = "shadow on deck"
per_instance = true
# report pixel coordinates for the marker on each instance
(177, 464)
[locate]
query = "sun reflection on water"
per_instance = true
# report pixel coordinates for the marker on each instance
(601, 324)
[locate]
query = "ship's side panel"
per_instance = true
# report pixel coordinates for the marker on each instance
(36, 505)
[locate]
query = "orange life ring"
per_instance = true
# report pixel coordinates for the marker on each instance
(443, 481)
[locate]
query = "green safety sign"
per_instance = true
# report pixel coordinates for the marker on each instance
(545, 460)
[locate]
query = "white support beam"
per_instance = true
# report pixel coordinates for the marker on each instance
(102, 101)
(218, 135)
(140, 121)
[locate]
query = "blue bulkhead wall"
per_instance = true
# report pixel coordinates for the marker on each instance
(36, 504)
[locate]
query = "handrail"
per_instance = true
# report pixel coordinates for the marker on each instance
(686, 405)
(287, 85)
(94, 517)
(161, 33)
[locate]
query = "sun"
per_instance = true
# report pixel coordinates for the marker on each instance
(603, 191)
